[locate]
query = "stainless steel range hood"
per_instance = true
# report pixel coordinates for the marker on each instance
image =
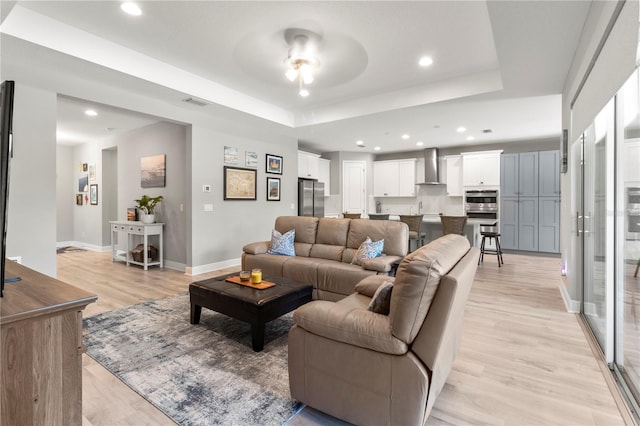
(431, 169)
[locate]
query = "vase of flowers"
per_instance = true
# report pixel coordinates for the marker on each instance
(146, 206)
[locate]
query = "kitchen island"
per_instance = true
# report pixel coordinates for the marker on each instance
(432, 226)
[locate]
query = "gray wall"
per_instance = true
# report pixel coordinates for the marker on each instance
(65, 199)
(31, 229)
(118, 177)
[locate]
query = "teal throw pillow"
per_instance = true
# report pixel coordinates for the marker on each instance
(367, 250)
(282, 243)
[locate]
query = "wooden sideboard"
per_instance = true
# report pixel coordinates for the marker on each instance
(41, 350)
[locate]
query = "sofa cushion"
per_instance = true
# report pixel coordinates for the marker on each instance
(271, 264)
(381, 299)
(302, 269)
(367, 250)
(326, 251)
(395, 235)
(282, 243)
(370, 284)
(340, 277)
(332, 231)
(303, 249)
(305, 227)
(417, 280)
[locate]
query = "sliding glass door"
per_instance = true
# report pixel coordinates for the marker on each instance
(627, 357)
(597, 227)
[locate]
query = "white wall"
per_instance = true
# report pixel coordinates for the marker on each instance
(65, 198)
(31, 228)
(614, 65)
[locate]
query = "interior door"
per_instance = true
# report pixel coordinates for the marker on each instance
(354, 187)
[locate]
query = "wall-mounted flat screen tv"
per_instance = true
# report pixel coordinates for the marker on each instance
(6, 143)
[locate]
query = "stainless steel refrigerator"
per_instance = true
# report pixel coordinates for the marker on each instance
(310, 198)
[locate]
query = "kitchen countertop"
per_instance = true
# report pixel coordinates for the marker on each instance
(434, 218)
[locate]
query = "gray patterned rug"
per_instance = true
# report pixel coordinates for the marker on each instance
(205, 374)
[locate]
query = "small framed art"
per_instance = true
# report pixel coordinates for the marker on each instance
(273, 189)
(78, 199)
(274, 164)
(93, 194)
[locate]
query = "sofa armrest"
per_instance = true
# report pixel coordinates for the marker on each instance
(380, 264)
(259, 247)
(346, 324)
(368, 286)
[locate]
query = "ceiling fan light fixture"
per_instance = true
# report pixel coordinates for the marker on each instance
(303, 92)
(302, 58)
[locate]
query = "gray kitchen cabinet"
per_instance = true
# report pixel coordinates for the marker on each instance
(530, 201)
(509, 175)
(549, 174)
(549, 224)
(509, 223)
(528, 223)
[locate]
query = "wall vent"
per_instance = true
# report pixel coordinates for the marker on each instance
(196, 101)
(487, 131)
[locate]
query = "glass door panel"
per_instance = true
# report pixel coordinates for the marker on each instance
(598, 227)
(628, 236)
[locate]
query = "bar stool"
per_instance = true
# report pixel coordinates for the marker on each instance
(351, 215)
(497, 251)
(378, 216)
(415, 229)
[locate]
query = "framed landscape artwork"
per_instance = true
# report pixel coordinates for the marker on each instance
(153, 171)
(83, 183)
(274, 164)
(239, 183)
(273, 189)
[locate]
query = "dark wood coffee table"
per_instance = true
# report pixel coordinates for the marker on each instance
(257, 307)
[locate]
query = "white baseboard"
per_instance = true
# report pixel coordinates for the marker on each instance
(572, 306)
(210, 267)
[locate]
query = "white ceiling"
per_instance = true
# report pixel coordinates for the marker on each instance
(498, 65)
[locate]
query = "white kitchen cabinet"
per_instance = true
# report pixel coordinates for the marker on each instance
(308, 165)
(394, 178)
(481, 169)
(454, 175)
(631, 155)
(325, 175)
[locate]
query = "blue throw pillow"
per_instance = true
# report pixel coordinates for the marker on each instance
(282, 244)
(368, 250)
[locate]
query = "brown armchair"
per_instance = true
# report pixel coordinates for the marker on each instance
(369, 368)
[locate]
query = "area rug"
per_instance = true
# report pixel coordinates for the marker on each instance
(203, 374)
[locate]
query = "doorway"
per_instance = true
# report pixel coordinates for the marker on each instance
(354, 187)
(109, 192)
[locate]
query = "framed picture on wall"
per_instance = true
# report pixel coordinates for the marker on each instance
(230, 155)
(78, 199)
(274, 164)
(153, 171)
(251, 159)
(239, 184)
(273, 189)
(92, 172)
(83, 183)
(93, 194)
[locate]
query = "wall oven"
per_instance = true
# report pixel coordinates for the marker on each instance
(481, 204)
(633, 213)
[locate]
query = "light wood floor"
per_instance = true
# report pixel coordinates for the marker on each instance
(523, 359)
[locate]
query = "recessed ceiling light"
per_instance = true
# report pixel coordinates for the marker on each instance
(304, 93)
(405, 136)
(359, 143)
(377, 148)
(461, 129)
(425, 61)
(470, 138)
(91, 113)
(131, 8)
(419, 143)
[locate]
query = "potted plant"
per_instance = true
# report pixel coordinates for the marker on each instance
(147, 205)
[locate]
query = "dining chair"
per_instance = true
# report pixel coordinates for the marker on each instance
(378, 216)
(415, 229)
(453, 224)
(351, 215)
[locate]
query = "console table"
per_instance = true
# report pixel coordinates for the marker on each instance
(41, 351)
(132, 228)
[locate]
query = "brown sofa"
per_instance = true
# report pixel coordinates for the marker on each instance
(373, 369)
(324, 250)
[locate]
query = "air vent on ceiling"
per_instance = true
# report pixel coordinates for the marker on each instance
(196, 101)
(487, 131)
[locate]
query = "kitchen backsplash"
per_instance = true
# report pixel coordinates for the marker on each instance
(434, 200)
